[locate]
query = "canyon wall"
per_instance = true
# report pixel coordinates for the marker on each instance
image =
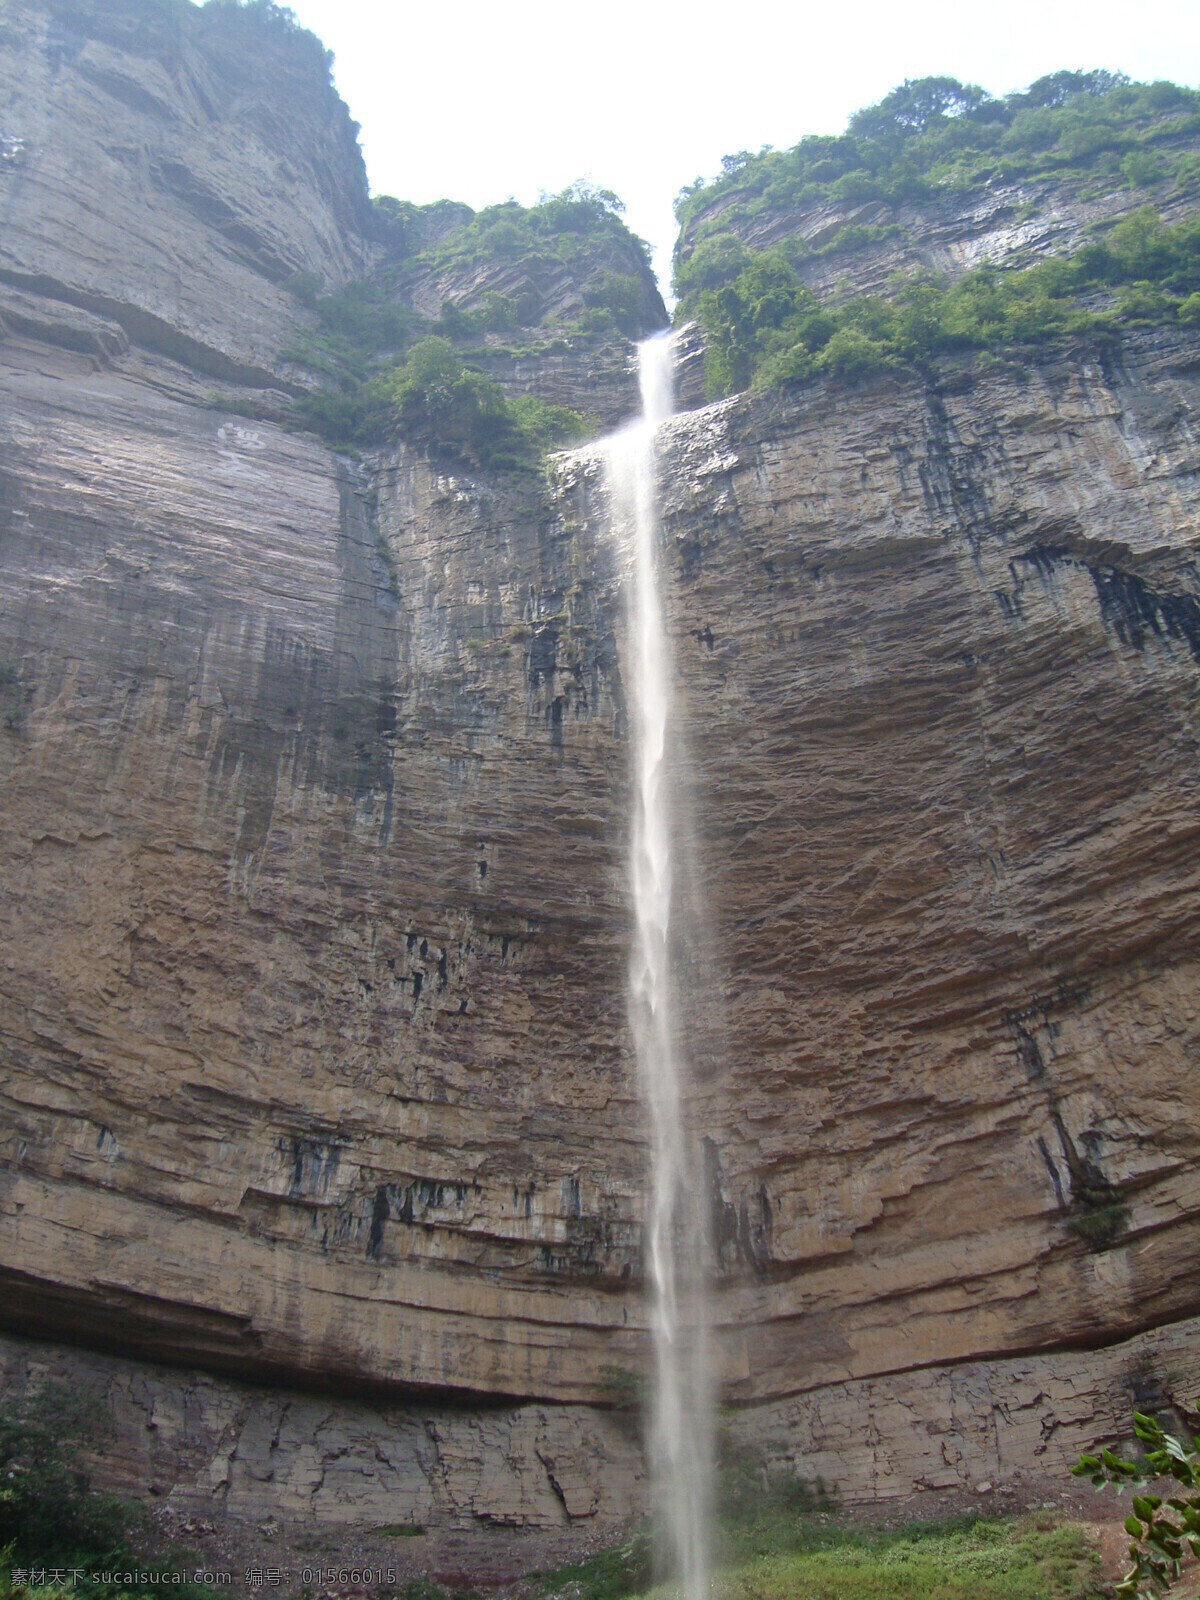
(314, 1055)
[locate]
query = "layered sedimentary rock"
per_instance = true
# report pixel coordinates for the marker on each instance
(314, 1053)
(362, 904)
(250, 1455)
(168, 169)
(202, 1444)
(175, 175)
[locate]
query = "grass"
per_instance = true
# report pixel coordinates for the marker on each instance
(817, 1557)
(983, 1559)
(626, 1569)
(781, 1539)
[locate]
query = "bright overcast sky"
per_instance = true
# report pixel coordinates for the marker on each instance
(482, 101)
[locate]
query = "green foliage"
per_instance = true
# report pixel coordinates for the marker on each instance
(397, 224)
(433, 397)
(361, 325)
(1160, 1533)
(624, 1389)
(1143, 169)
(306, 286)
(363, 331)
(765, 327)
(349, 416)
(930, 138)
(558, 229)
(623, 297)
(388, 561)
(771, 1551)
(386, 369)
(764, 311)
(850, 350)
(45, 1502)
(1100, 1226)
(436, 398)
(544, 427)
(778, 1538)
(765, 1511)
(627, 1569)
(856, 236)
(49, 1515)
(496, 313)
(714, 262)
(935, 134)
(916, 107)
(1099, 1215)
(968, 1560)
(582, 229)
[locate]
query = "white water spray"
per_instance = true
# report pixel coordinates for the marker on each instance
(681, 1434)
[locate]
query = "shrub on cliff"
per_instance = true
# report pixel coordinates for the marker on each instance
(437, 399)
(765, 327)
(931, 140)
(365, 319)
(620, 298)
(433, 398)
(386, 369)
(543, 426)
(580, 229)
(554, 228)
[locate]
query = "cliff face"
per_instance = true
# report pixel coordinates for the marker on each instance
(315, 1058)
(363, 907)
(946, 817)
(365, 914)
(166, 169)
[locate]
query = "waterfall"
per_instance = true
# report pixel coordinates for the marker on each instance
(680, 1436)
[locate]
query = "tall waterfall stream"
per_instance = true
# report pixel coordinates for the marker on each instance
(680, 1437)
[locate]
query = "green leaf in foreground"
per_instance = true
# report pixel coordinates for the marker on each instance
(1157, 1550)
